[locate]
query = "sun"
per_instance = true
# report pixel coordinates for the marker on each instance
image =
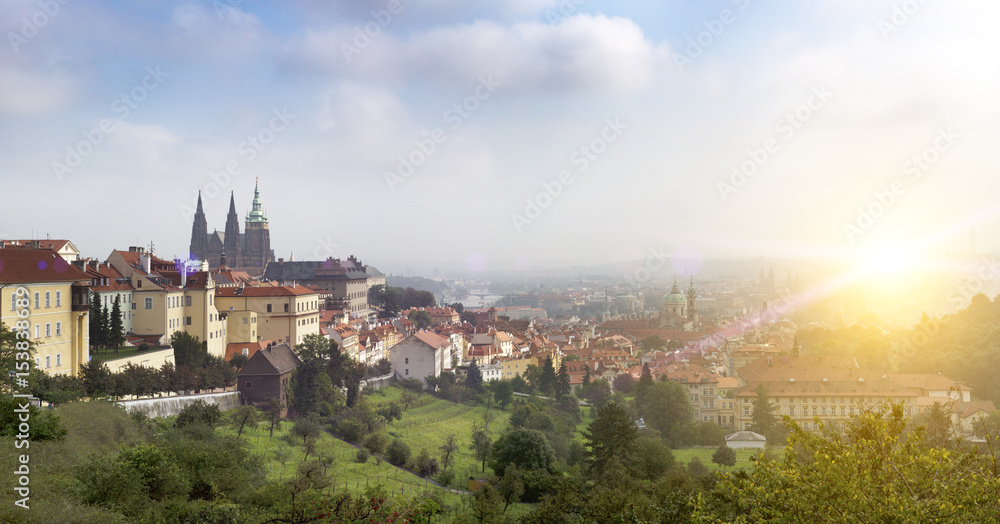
(886, 264)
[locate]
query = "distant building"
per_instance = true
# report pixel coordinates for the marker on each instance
(746, 440)
(345, 281)
(421, 355)
(249, 251)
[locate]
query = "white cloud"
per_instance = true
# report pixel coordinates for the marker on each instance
(581, 53)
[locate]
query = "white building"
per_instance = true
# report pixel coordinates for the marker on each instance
(421, 355)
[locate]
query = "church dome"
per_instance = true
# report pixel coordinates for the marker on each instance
(675, 296)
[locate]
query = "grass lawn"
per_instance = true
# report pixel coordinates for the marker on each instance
(428, 426)
(684, 455)
(282, 461)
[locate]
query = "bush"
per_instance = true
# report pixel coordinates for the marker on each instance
(352, 430)
(398, 453)
(362, 455)
(377, 443)
(199, 412)
(424, 464)
(446, 477)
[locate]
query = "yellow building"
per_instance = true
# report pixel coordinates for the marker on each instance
(57, 306)
(284, 313)
(166, 300)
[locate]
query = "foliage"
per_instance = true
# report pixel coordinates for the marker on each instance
(598, 392)
(474, 377)
(763, 419)
(43, 424)
(874, 472)
(527, 449)
(306, 428)
(562, 385)
(116, 331)
(624, 383)
(199, 412)
(421, 319)
(189, 351)
(503, 392)
(666, 407)
(547, 380)
(424, 464)
(448, 449)
(612, 435)
(397, 453)
(377, 442)
(724, 456)
(242, 417)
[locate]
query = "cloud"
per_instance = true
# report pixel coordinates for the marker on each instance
(27, 93)
(582, 53)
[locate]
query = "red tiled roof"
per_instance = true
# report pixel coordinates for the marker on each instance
(22, 266)
(263, 291)
(431, 339)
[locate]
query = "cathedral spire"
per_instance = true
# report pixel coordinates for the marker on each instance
(200, 210)
(199, 233)
(256, 213)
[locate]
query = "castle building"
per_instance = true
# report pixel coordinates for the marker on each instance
(249, 251)
(679, 311)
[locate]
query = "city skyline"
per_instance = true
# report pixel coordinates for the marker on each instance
(512, 135)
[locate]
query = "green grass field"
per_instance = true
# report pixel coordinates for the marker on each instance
(428, 426)
(684, 455)
(282, 461)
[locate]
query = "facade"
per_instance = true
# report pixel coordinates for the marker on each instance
(284, 313)
(58, 305)
(249, 251)
(345, 281)
(166, 301)
(109, 284)
(421, 355)
(702, 386)
(266, 375)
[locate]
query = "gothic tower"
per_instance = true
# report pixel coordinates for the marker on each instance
(257, 244)
(199, 233)
(233, 245)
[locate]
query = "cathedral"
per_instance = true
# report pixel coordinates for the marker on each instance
(679, 311)
(249, 251)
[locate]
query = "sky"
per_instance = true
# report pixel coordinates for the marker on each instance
(509, 134)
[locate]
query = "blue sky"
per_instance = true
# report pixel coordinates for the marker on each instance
(825, 102)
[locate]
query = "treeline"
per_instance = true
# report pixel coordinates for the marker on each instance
(195, 370)
(389, 301)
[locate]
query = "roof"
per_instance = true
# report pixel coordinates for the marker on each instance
(100, 272)
(236, 348)
(277, 360)
(745, 436)
(263, 291)
(431, 339)
(22, 266)
(53, 244)
(927, 381)
(329, 269)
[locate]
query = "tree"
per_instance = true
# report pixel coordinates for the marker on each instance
(652, 342)
(624, 383)
(874, 472)
(447, 450)
(586, 376)
(458, 307)
(386, 300)
(97, 379)
(96, 321)
(421, 319)
(645, 380)
(562, 381)
(547, 381)
(511, 486)
(306, 428)
(503, 392)
(199, 412)
(272, 414)
(474, 377)
(116, 335)
(242, 417)
(652, 458)
(425, 464)
(480, 443)
(665, 407)
(763, 419)
(238, 360)
(528, 449)
(612, 435)
(189, 351)
(398, 453)
(724, 456)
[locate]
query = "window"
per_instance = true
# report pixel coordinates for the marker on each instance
(187, 320)
(58, 298)
(746, 412)
(407, 361)
(58, 328)
(244, 320)
(843, 411)
(187, 301)
(814, 410)
(248, 384)
(406, 371)
(246, 352)
(58, 359)
(286, 308)
(48, 361)
(37, 303)
(791, 411)
(48, 299)
(38, 331)
(269, 308)
(48, 330)
(149, 303)
(13, 301)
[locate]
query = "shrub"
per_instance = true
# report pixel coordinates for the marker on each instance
(199, 412)
(362, 455)
(377, 443)
(424, 464)
(398, 453)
